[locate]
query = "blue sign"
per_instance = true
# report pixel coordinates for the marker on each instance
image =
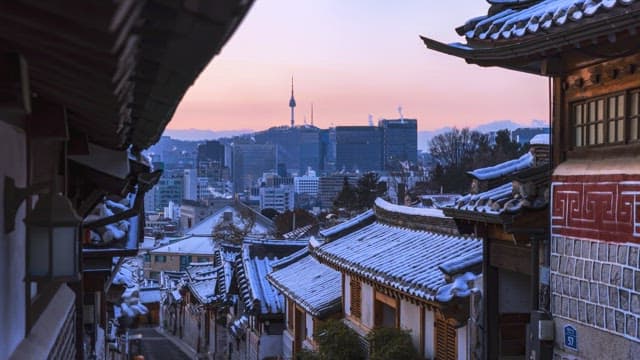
(570, 337)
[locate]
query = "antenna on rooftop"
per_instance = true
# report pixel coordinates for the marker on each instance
(400, 112)
(311, 114)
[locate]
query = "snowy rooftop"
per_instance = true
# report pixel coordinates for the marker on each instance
(408, 210)
(204, 289)
(261, 226)
(540, 17)
(150, 295)
(190, 245)
(252, 270)
(355, 221)
(493, 172)
(314, 286)
(404, 259)
(540, 139)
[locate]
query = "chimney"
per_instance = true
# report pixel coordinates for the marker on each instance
(540, 149)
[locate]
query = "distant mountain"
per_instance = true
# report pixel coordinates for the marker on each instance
(424, 137)
(198, 134)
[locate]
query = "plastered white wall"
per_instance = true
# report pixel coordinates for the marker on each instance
(429, 334)
(346, 298)
(410, 320)
(367, 305)
(309, 323)
(463, 343)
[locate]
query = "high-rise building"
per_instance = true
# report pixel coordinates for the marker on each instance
(399, 141)
(297, 147)
(169, 188)
(250, 161)
(358, 148)
(190, 184)
(211, 160)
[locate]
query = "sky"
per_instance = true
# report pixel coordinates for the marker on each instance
(351, 59)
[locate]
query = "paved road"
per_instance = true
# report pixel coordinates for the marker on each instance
(155, 346)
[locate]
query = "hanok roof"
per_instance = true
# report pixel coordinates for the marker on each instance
(521, 34)
(527, 190)
(502, 169)
(404, 259)
(252, 270)
(361, 219)
(312, 285)
(190, 245)
(118, 67)
(150, 295)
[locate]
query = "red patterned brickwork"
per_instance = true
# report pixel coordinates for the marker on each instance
(606, 207)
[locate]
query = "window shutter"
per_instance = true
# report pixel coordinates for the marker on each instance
(356, 299)
(446, 344)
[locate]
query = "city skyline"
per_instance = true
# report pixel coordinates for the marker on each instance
(349, 64)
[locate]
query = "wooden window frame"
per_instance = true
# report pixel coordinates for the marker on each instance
(605, 120)
(446, 338)
(389, 301)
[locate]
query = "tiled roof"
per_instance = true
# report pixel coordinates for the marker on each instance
(407, 210)
(253, 267)
(404, 259)
(355, 221)
(540, 17)
(312, 285)
(507, 199)
(505, 168)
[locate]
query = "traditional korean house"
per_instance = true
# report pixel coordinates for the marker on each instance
(83, 90)
(392, 277)
(196, 302)
(312, 294)
(589, 52)
(257, 319)
(508, 209)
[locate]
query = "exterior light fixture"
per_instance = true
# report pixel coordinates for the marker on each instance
(53, 237)
(52, 231)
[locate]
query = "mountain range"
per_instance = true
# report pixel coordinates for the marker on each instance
(423, 136)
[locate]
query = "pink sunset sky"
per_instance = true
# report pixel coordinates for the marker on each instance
(351, 59)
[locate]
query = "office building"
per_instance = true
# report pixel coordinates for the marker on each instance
(399, 141)
(358, 148)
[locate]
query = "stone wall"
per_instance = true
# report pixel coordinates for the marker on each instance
(596, 284)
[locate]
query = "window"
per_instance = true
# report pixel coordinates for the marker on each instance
(446, 344)
(385, 311)
(185, 261)
(160, 258)
(356, 298)
(203, 259)
(147, 258)
(606, 120)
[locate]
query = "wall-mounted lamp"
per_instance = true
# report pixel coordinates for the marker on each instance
(52, 232)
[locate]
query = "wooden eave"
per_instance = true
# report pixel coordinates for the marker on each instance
(119, 68)
(532, 53)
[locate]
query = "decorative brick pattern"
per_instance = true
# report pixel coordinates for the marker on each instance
(597, 284)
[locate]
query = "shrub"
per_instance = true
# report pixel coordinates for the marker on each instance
(391, 344)
(336, 341)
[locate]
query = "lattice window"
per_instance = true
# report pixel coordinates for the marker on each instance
(606, 120)
(356, 298)
(446, 342)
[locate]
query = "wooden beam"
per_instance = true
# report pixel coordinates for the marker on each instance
(510, 257)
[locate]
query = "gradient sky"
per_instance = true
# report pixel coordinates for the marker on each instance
(351, 58)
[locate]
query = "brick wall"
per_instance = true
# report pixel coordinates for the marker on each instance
(597, 284)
